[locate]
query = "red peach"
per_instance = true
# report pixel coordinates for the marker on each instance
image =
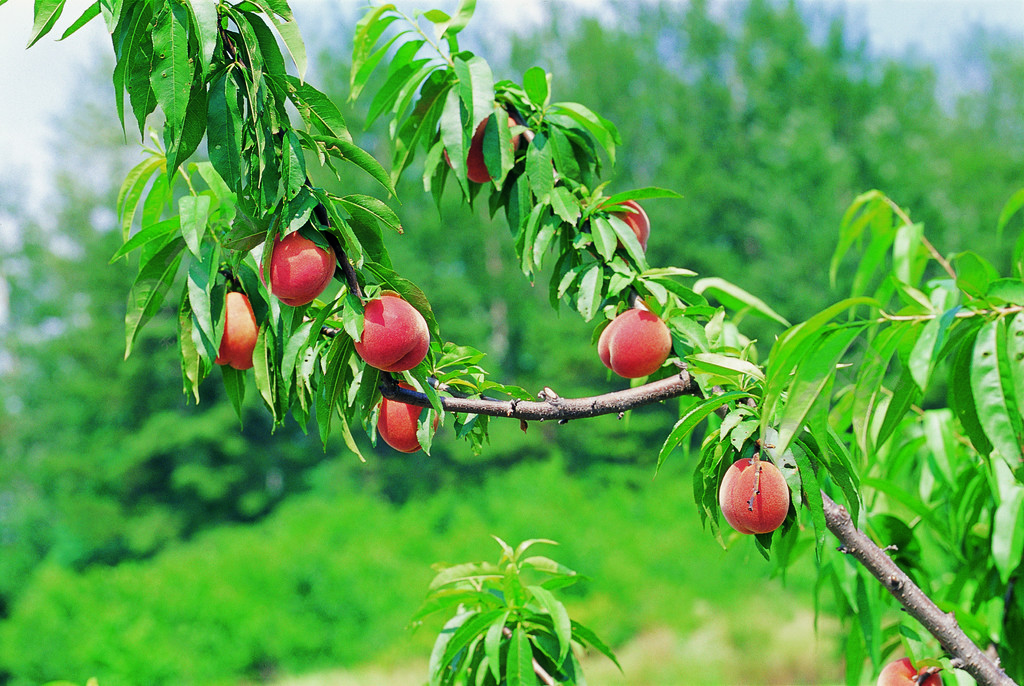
(902, 673)
(395, 335)
(240, 332)
(397, 424)
(299, 269)
(635, 344)
(637, 220)
(754, 496)
(476, 167)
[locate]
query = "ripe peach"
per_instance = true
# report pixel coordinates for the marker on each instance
(299, 269)
(397, 424)
(637, 220)
(754, 496)
(902, 673)
(476, 167)
(240, 332)
(635, 344)
(395, 335)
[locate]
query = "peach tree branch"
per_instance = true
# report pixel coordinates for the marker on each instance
(963, 652)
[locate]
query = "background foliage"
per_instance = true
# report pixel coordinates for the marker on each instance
(109, 478)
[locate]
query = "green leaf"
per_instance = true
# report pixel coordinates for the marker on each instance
(1012, 207)
(46, 14)
(476, 86)
(639, 194)
(813, 375)
(588, 300)
(605, 238)
(537, 84)
(150, 288)
(974, 273)
(928, 347)
(171, 77)
(601, 129)
(734, 297)
(540, 168)
(559, 616)
(234, 385)
(204, 15)
(359, 157)
(474, 627)
(1008, 525)
(992, 388)
(458, 21)
(195, 212)
(151, 233)
(519, 660)
(694, 416)
(372, 207)
(585, 636)
(131, 191)
(90, 13)
(193, 129)
(316, 109)
(289, 32)
(492, 645)
(224, 130)
(961, 395)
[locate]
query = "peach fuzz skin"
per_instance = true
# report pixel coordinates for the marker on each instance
(395, 335)
(476, 167)
(770, 502)
(299, 269)
(397, 424)
(635, 344)
(902, 673)
(636, 220)
(240, 332)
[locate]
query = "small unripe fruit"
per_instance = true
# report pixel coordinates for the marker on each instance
(299, 269)
(754, 496)
(635, 344)
(636, 220)
(476, 167)
(902, 673)
(397, 424)
(240, 332)
(395, 335)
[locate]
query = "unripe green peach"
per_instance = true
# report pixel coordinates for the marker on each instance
(635, 344)
(902, 673)
(240, 332)
(395, 335)
(299, 269)
(754, 496)
(397, 424)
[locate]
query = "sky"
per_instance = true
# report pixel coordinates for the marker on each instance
(33, 82)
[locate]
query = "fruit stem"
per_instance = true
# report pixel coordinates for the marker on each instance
(756, 461)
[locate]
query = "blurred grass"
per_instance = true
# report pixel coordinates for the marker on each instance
(331, 580)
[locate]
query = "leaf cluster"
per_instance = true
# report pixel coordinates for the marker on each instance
(506, 630)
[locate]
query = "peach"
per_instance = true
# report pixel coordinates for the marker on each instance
(299, 269)
(754, 496)
(395, 335)
(902, 673)
(636, 220)
(397, 424)
(240, 332)
(635, 344)
(476, 167)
